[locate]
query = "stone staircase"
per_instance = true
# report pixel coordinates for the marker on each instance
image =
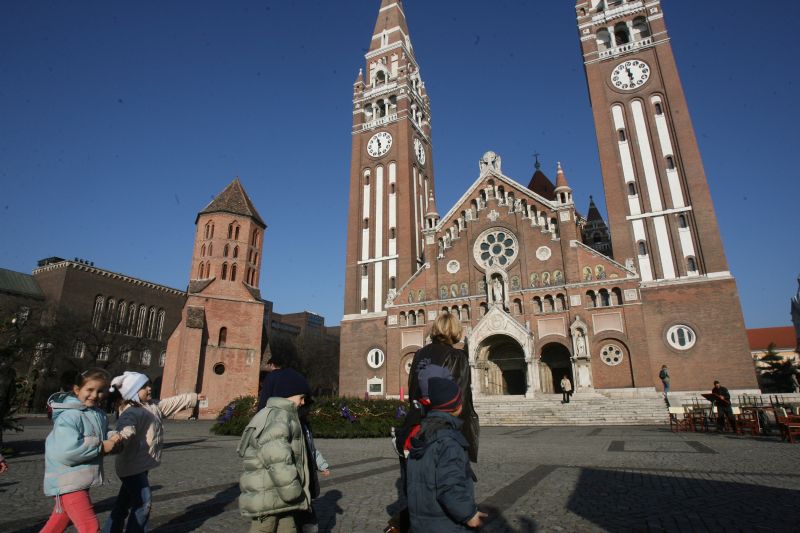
(584, 409)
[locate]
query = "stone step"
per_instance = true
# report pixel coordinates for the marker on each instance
(584, 409)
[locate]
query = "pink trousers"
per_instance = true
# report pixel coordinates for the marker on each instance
(75, 507)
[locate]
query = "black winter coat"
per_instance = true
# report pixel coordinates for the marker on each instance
(457, 362)
(441, 495)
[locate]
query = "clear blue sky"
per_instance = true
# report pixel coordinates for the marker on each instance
(119, 121)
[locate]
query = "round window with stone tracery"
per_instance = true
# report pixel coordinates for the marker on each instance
(496, 247)
(611, 354)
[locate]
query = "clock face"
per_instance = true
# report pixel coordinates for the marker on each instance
(630, 75)
(419, 149)
(379, 144)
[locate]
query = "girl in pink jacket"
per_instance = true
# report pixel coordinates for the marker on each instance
(139, 422)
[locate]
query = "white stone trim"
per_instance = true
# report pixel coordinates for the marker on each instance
(646, 156)
(363, 316)
(664, 247)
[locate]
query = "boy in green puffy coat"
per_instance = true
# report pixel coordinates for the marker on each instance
(275, 483)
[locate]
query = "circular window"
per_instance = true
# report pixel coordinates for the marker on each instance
(611, 354)
(219, 369)
(496, 247)
(681, 337)
(375, 358)
(407, 365)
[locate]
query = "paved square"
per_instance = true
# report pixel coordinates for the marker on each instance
(530, 479)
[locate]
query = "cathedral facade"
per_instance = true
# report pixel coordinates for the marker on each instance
(541, 290)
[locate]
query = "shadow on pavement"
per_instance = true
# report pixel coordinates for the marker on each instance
(326, 508)
(168, 445)
(196, 515)
(617, 500)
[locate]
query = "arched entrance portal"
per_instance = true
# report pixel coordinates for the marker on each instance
(554, 365)
(501, 361)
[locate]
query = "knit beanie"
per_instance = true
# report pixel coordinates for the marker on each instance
(290, 382)
(128, 384)
(444, 395)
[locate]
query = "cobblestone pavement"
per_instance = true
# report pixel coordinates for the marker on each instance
(530, 479)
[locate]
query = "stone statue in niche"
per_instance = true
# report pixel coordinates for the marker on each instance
(534, 280)
(580, 344)
(600, 271)
(497, 290)
(559, 277)
(587, 274)
(545, 279)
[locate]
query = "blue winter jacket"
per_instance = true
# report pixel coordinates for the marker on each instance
(73, 454)
(441, 496)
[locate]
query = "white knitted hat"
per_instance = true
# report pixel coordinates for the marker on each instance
(128, 384)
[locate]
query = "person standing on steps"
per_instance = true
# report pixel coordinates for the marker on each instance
(566, 389)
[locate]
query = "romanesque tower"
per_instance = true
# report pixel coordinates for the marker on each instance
(391, 183)
(660, 212)
(216, 349)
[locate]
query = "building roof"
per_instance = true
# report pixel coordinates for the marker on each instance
(12, 282)
(541, 185)
(390, 17)
(784, 338)
(234, 200)
(594, 213)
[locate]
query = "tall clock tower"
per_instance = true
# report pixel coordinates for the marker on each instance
(391, 183)
(661, 217)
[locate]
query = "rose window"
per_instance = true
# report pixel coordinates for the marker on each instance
(611, 354)
(496, 247)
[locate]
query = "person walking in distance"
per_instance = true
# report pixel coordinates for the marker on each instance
(566, 389)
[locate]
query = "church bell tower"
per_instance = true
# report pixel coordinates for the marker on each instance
(660, 212)
(391, 185)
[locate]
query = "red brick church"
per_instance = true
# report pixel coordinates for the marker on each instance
(539, 288)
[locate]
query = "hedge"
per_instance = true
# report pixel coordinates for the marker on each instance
(330, 418)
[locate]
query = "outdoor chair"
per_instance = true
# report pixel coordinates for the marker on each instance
(680, 420)
(789, 425)
(747, 420)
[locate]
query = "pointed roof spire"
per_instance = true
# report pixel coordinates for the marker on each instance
(594, 213)
(360, 78)
(541, 184)
(561, 180)
(431, 206)
(391, 18)
(233, 200)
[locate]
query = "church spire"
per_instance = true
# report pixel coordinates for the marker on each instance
(391, 26)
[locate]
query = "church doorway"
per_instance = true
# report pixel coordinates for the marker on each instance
(503, 368)
(555, 364)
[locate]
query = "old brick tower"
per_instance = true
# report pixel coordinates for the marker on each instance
(216, 349)
(391, 186)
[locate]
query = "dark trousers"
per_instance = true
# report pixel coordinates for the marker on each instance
(725, 412)
(134, 497)
(565, 396)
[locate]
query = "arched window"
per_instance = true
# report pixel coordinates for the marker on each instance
(111, 309)
(682, 221)
(393, 283)
(225, 251)
(603, 40)
(233, 272)
(131, 327)
(160, 325)
(121, 316)
(549, 304)
(363, 304)
(631, 189)
(621, 135)
(670, 162)
(691, 264)
(203, 251)
(235, 251)
(605, 300)
(141, 321)
(210, 249)
(616, 294)
(151, 323)
(642, 248)
(230, 230)
(224, 270)
(641, 29)
(465, 312)
(561, 303)
(97, 315)
(537, 305)
(223, 336)
(254, 238)
(421, 316)
(517, 306)
(146, 357)
(200, 270)
(483, 309)
(366, 223)
(621, 34)
(392, 233)
(255, 258)
(591, 299)
(412, 318)
(236, 233)
(659, 108)
(162, 359)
